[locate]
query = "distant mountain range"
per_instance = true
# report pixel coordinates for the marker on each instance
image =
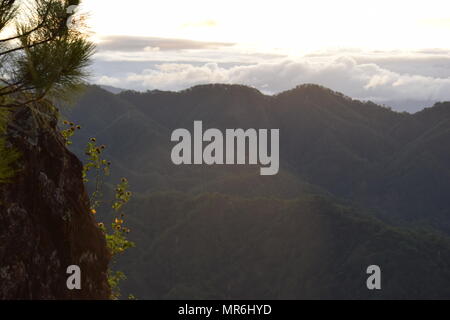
(401, 105)
(359, 184)
(112, 89)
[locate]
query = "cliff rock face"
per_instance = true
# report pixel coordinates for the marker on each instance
(45, 223)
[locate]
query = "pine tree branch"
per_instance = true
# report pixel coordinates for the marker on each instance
(39, 26)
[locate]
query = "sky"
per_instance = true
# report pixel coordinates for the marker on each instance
(391, 52)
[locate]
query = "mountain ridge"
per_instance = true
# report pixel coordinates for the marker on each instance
(338, 144)
(340, 158)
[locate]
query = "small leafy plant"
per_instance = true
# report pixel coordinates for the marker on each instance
(116, 234)
(117, 241)
(99, 166)
(69, 131)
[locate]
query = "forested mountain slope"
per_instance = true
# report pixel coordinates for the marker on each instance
(219, 231)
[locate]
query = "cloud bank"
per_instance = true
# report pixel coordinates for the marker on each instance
(406, 81)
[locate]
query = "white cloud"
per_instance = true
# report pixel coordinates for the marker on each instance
(422, 76)
(344, 74)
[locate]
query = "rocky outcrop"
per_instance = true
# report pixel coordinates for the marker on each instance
(45, 222)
